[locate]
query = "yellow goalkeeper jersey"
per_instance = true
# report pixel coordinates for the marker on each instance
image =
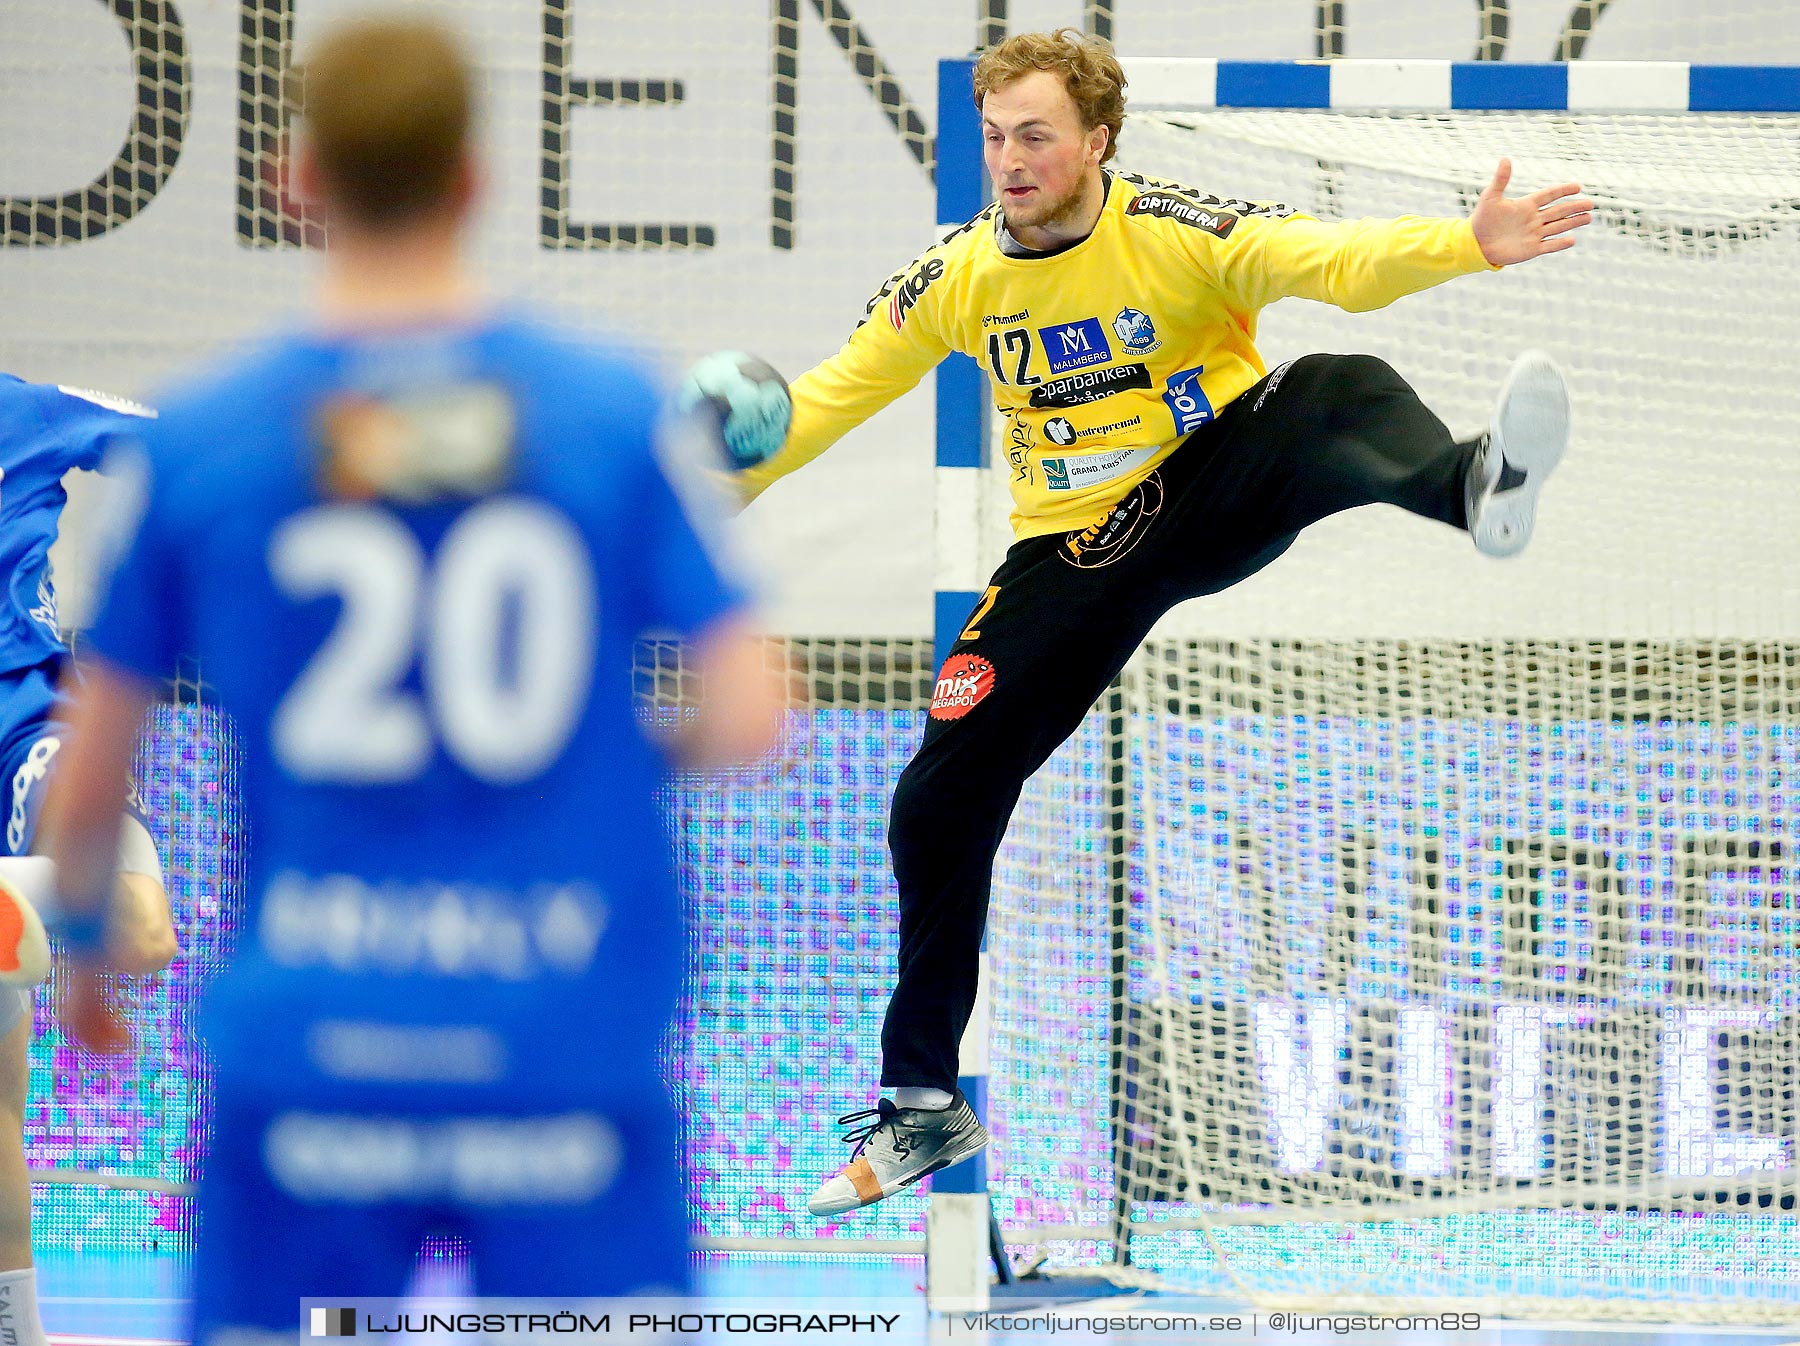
(1103, 355)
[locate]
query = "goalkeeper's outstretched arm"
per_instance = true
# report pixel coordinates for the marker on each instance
(1366, 264)
(885, 356)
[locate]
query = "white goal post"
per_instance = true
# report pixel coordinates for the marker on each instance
(1405, 927)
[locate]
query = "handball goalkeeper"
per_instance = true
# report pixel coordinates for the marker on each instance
(1153, 458)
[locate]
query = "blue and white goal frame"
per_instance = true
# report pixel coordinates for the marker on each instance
(1189, 84)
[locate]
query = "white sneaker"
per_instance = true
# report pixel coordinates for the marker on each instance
(897, 1148)
(1521, 449)
(24, 951)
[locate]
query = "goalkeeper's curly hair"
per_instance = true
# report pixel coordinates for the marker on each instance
(1089, 70)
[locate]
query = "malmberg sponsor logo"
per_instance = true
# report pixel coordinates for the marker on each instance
(1075, 345)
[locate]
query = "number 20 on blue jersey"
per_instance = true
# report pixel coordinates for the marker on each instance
(509, 572)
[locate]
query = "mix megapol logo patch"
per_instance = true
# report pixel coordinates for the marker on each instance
(962, 685)
(1136, 333)
(1075, 345)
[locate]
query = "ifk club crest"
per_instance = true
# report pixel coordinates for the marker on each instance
(1136, 332)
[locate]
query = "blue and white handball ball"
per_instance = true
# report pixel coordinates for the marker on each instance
(749, 400)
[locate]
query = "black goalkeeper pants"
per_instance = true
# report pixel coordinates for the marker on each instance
(1063, 614)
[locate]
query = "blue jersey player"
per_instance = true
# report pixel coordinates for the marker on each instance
(412, 546)
(46, 432)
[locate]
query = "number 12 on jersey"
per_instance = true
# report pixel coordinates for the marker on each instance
(1017, 339)
(501, 620)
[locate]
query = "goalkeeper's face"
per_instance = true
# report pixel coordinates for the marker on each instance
(1044, 164)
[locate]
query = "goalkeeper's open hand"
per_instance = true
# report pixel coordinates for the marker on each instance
(1527, 226)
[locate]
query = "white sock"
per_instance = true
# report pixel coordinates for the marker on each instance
(19, 1322)
(934, 1100)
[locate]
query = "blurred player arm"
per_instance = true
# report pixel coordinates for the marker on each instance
(885, 357)
(740, 702)
(697, 585)
(107, 869)
(141, 628)
(81, 824)
(86, 798)
(140, 932)
(132, 645)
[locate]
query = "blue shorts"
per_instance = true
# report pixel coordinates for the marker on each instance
(29, 739)
(30, 736)
(353, 1121)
